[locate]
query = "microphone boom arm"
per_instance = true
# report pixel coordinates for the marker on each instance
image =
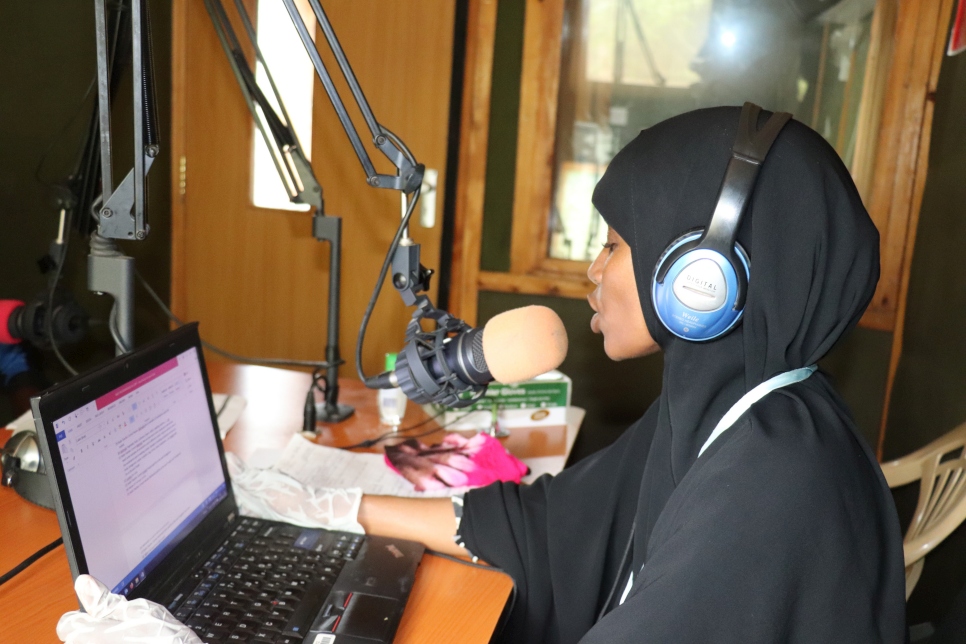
(299, 181)
(409, 176)
(420, 381)
(122, 213)
(294, 169)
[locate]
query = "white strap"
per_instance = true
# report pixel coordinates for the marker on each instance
(744, 403)
(753, 396)
(627, 588)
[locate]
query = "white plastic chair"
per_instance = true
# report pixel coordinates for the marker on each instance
(941, 467)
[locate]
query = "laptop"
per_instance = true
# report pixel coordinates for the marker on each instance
(145, 505)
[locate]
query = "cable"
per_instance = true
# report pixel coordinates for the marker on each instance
(57, 137)
(432, 431)
(403, 227)
(115, 333)
(224, 405)
(318, 377)
(403, 224)
(508, 609)
(398, 432)
(399, 143)
(309, 414)
(29, 560)
(276, 362)
(402, 433)
(49, 317)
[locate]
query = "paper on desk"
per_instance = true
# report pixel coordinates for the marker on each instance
(228, 408)
(319, 466)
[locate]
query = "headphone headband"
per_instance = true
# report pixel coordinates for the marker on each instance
(747, 154)
(753, 143)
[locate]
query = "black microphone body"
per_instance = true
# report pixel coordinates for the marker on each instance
(423, 371)
(453, 365)
(438, 370)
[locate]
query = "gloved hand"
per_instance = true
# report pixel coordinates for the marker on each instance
(112, 619)
(270, 494)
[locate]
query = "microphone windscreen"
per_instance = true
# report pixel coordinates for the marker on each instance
(520, 344)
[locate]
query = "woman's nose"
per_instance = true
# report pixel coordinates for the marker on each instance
(593, 273)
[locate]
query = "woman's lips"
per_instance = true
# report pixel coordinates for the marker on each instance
(594, 321)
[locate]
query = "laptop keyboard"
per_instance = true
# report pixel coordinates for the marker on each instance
(266, 584)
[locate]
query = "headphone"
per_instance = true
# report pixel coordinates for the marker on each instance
(700, 282)
(23, 469)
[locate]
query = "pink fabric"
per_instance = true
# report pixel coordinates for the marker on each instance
(456, 462)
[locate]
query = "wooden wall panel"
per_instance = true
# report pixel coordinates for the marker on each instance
(255, 277)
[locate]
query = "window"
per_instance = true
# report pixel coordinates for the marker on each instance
(628, 64)
(861, 72)
(294, 77)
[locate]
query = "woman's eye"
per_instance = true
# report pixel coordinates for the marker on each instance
(610, 246)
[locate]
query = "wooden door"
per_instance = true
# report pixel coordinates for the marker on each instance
(255, 277)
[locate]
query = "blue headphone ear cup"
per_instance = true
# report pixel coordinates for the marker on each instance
(693, 289)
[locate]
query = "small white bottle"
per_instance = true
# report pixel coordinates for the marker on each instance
(392, 402)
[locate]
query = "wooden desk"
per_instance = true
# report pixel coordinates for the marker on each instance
(449, 602)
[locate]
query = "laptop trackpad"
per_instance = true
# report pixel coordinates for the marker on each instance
(368, 616)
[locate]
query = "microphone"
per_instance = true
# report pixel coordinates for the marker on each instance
(514, 346)
(21, 321)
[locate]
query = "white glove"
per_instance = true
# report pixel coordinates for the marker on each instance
(270, 494)
(112, 619)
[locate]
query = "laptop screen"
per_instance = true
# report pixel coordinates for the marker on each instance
(142, 466)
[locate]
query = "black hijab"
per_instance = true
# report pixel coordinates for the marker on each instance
(807, 233)
(749, 542)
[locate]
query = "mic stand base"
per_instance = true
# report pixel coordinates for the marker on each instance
(332, 413)
(330, 229)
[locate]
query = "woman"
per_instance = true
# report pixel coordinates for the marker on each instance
(783, 529)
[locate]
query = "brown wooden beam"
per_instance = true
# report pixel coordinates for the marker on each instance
(537, 127)
(471, 182)
(553, 285)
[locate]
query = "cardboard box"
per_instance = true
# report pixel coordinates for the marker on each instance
(538, 402)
